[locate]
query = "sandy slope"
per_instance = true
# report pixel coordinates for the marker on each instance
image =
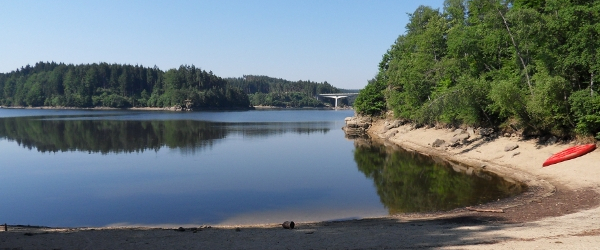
(583, 172)
(580, 230)
(562, 185)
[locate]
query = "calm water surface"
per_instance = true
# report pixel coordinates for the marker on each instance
(101, 168)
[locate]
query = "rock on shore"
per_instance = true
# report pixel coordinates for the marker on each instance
(357, 126)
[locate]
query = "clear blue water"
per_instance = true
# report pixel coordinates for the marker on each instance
(72, 168)
(102, 168)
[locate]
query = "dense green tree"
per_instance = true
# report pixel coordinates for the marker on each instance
(371, 100)
(523, 63)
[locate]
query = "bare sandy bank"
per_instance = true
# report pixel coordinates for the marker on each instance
(560, 210)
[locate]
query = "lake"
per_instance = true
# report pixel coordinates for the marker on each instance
(67, 168)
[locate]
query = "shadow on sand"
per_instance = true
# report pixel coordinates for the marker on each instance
(380, 233)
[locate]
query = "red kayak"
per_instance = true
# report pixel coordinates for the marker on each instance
(569, 153)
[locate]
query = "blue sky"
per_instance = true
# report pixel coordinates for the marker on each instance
(337, 41)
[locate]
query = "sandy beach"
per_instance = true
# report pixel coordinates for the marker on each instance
(560, 209)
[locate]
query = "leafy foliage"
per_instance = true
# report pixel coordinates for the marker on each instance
(371, 100)
(487, 62)
(586, 109)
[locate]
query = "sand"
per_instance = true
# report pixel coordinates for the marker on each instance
(560, 210)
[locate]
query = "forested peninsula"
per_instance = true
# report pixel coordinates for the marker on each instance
(125, 86)
(530, 66)
(269, 91)
(117, 86)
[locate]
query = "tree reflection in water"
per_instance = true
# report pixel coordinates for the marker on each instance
(410, 182)
(105, 135)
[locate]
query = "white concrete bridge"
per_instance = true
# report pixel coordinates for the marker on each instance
(337, 96)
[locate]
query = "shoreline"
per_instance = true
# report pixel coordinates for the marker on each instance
(561, 206)
(537, 188)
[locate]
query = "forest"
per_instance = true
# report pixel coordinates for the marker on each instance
(269, 91)
(124, 86)
(524, 65)
(117, 86)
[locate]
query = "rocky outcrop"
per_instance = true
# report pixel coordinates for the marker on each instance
(460, 137)
(438, 143)
(485, 131)
(357, 126)
(391, 125)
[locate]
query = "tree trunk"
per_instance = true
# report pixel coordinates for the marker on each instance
(592, 85)
(518, 52)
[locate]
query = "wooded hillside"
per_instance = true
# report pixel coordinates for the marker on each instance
(529, 65)
(269, 91)
(116, 85)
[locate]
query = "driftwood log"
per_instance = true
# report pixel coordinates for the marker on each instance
(485, 210)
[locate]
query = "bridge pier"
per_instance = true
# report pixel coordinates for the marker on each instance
(338, 96)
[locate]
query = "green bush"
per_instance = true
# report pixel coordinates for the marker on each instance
(586, 111)
(370, 100)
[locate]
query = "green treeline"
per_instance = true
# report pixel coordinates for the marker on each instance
(268, 91)
(532, 65)
(116, 85)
